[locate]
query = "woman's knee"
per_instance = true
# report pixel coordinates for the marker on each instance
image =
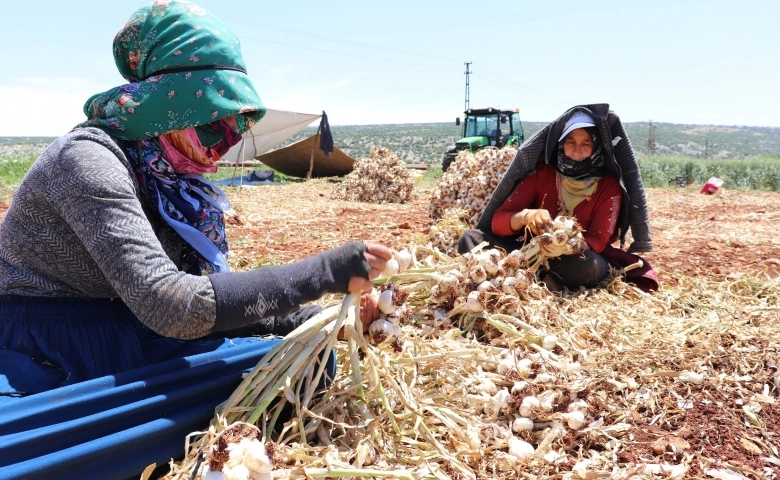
(469, 240)
(573, 271)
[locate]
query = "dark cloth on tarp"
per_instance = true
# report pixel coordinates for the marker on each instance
(571, 271)
(90, 392)
(326, 137)
(644, 277)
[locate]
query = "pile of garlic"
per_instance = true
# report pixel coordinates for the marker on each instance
(447, 230)
(380, 178)
(486, 281)
(561, 237)
(470, 181)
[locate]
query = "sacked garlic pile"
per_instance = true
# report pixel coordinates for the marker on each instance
(470, 181)
(380, 178)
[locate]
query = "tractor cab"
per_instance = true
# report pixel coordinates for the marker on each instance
(486, 127)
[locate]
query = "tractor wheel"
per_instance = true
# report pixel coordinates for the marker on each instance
(447, 160)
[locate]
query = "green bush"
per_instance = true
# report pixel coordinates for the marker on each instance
(759, 173)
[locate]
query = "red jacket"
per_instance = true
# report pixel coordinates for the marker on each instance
(597, 216)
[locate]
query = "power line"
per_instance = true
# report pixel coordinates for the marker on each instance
(508, 79)
(335, 39)
(508, 87)
(346, 54)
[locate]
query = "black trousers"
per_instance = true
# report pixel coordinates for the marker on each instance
(572, 271)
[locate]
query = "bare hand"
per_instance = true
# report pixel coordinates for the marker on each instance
(552, 250)
(369, 310)
(536, 220)
(377, 256)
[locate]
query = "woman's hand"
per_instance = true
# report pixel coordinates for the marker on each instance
(377, 256)
(552, 250)
(536, 220)
(369, 311)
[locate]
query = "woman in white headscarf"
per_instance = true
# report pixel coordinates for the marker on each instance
(580, 176)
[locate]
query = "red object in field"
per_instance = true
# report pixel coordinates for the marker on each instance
(712, 186)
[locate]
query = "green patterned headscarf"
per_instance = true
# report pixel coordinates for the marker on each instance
(185, 70)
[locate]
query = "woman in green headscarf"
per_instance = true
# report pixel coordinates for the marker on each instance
(113, 253)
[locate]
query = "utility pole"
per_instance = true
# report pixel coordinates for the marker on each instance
(467, 84)
(706, 147)
(651, 139)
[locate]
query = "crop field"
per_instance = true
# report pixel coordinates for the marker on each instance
(609, 382)
(681, 383)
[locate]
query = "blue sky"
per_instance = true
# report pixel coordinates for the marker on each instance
(368, 62)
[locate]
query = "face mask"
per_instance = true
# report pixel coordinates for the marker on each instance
(592, 166)
(204, 144)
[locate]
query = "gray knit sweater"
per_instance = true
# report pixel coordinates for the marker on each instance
(78, 226)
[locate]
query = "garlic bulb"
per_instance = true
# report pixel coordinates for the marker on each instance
(486, 286)
(549, 342)
(391, 268)
(524, 367)
(239, 472)
(380, 331)
(520, 449)
(575, 419)
(581, 405)
(506, 365)
(472, 438)
(477, 274)
(522, 424)
(487, 386)
(385, 302)
(472, 302)
(527, 404)
(404, 259)
(519, 386)
(256, 459)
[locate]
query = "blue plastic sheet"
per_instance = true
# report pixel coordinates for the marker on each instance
(114, 426)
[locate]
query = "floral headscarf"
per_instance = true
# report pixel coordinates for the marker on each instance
(185, 70)
(189, 100)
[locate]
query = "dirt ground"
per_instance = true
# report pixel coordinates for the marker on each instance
(693, 234)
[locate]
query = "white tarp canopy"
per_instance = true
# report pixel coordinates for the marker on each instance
(272, 130)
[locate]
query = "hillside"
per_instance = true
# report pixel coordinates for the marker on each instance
(426, 142)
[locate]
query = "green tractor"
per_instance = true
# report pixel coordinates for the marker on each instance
(486, 127)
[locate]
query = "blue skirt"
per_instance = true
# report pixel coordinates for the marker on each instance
(88, 391)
